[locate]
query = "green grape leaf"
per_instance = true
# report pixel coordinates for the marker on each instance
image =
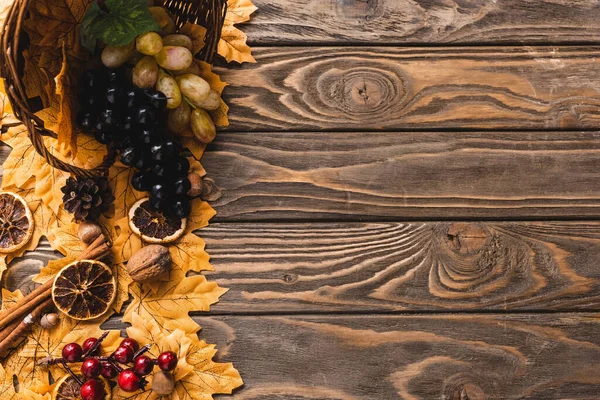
(125, 20)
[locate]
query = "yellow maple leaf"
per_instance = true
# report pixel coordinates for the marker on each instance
(50, 270)
(7, 388)
(207, 377)
(196, 376)
(239, 11)
(233, 45)
(66, 102)
(170, 304)
(119, 177)
(123, 281)
(7, 117)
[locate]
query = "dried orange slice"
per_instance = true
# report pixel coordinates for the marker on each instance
(67, 388)
(16, 222)
(152, 225)
(84, 289)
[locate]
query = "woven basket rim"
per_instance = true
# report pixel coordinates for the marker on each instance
(208, 13)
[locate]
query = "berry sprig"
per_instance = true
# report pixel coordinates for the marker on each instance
(128, 364)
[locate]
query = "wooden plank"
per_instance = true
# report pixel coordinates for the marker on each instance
(384, 267)
(393, 267)
(280, 22)
(405, 176)
(453, 357)
(385, 88)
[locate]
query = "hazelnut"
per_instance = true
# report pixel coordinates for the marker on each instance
(49, 321)
(196, 181)
(88, 232)
(163, 383)
(149, 263)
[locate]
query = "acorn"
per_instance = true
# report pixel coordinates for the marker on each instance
(163, 383)
(49, 321)
(88, 232)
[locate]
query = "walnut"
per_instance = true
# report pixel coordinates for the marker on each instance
(149, 263)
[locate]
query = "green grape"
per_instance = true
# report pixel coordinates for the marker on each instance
(212, 102)
(192, 69)
(178, 120)
(167, 85)
(194, 88)
(149, 43)
(145, 73)
(174, 58)
(115, 56)
(202, 125)
(178, 40)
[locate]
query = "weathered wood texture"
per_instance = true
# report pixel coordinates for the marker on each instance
(405, 176)
(475, 357)
(385, 267)
(373, 88)
(423, 21)
(379, 267)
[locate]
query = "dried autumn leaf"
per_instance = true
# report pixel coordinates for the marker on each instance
(233, 45)
(197, 376)
(195, 32)
(56, 19)
(7, 389)
(7, 117)
(207, 377)
(9, 299)
(66, 101)
(49, 342)
(170, 305)
(239, 11)
(51, 269)
(119, 177)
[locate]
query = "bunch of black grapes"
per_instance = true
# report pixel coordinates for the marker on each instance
(129, 118)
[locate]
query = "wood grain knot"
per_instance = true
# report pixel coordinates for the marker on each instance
(357, 9)
(463, 386)
(465, 238)
(360, 92)
(468, 392)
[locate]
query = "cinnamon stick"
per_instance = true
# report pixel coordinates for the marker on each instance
(97, 249)
(7, 343)
(32, 300)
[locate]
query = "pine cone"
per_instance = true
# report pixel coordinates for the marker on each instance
(87, 198)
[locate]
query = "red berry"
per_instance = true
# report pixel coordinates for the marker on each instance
(131, 343)
(129, 381)
(88, 344)
(167, 361)
(92, 390)
(72, 352)
(108, 371)
(123, 354)
(143, 365)
(91, 368)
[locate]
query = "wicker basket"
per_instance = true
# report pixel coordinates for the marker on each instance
(208, 13)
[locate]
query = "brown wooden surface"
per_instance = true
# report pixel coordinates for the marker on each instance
(423, 21)
(410, 202)
(405, 175)
(374, 88)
